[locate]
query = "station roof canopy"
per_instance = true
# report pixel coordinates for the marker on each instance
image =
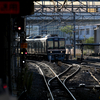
(85, 11)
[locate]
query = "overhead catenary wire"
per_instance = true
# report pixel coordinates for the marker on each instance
(61, 6)
(62, 17)
(44, 19)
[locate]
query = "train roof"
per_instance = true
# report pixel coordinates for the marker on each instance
(36, 39)
(39, 37)
(43, 38)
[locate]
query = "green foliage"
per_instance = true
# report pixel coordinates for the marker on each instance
(67, 29)
(89, 40)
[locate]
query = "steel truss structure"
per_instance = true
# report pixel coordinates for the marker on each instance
(49, 16)
(47, 13)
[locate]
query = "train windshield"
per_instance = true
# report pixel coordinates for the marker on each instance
(61, 43)
(55, 43)
(50, 43)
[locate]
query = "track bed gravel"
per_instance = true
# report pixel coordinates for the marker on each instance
(87, 92)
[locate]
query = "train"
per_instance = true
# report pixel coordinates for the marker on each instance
(50, 47)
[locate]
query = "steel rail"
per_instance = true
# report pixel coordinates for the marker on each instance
(72, 73)
(94, 77)
(46, 82)
(61, 82)
(56, 76)
(59, 74)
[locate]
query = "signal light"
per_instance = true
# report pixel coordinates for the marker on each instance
(19, 25)
(4, 86)
(22, 53)
(26, 53)
(19, 28)
(23, 62)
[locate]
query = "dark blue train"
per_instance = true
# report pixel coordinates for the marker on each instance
(50, 47)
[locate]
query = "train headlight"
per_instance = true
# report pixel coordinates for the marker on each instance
(50, 51)
(61, 51)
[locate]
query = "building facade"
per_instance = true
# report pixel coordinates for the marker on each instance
(82, 32)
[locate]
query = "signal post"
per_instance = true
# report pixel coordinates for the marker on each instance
(23, 51)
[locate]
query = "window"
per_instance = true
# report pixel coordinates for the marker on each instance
(34, 44)
(61, 43)
(29, 45)
(56, 44)
(81, 31)
(39, 44)
(87, 31)
(76, 32)
(50, 44)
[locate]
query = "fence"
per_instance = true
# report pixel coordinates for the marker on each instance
(85, 50)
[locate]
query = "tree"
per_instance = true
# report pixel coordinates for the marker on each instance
(89, 40)
(68, 29)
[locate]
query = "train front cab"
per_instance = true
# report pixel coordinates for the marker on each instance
(56, 48)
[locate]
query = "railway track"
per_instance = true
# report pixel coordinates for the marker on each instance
(56, 86)
(79, 85)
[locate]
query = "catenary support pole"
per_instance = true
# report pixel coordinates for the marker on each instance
(74, 30)
(74, 37)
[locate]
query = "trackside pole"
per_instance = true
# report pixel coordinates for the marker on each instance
(74, 37)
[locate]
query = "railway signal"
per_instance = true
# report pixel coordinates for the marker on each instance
(19, 28)
(23, 57)
(19, 25)
(23, 51)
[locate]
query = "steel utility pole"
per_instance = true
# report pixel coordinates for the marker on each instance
(74, 36)
(74, 30)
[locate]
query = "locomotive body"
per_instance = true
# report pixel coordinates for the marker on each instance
(51, 48)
